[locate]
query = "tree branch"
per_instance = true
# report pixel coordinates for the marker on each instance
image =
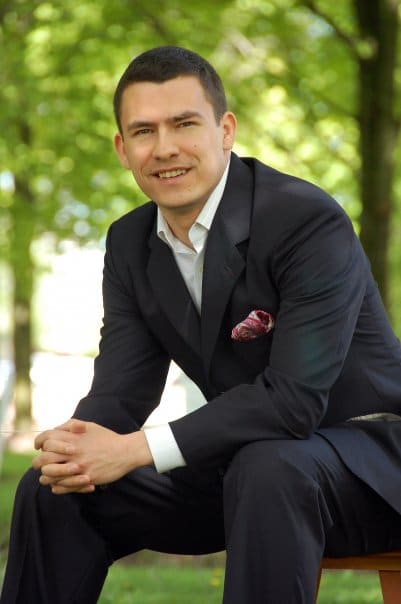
(159, 27)
(4, 10)
(293, 82)
(351, 42)
(289, 151)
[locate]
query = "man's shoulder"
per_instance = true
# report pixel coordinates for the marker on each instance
(138, 218)
(288, 195)
(286, 206)
(283, 185)
(128, 236)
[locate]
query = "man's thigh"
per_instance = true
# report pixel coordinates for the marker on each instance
(177, 512)
(356, 519)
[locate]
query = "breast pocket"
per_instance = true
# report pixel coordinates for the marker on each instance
(254, 353)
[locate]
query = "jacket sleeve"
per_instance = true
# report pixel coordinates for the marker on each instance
(131, 367)
(320, 272)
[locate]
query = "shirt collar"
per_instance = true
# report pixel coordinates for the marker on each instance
(205, 217)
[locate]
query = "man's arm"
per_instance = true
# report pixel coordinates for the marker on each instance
(130, 373)
(131, 368)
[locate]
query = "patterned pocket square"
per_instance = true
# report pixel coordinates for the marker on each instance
(258, 323)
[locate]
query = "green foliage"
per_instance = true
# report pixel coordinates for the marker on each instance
(294, 114)
(58, 122)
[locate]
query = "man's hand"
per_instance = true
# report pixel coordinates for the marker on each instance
(79, 455)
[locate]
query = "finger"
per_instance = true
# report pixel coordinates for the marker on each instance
(72, 425)
(57, 490)
(39, 440)
(55, 434)
(61, 470)
(47, 458)
(74, 482)
(55, 445)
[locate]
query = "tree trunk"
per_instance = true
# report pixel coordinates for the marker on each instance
(378, 24)
(22, 359)
(22, 269)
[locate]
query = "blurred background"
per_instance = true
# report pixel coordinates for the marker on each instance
(315, 86)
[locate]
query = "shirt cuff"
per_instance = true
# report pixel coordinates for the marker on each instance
(164, 449)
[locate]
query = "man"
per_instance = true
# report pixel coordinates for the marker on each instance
(256, 285)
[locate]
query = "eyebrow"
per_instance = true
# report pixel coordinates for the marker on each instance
(173, 120)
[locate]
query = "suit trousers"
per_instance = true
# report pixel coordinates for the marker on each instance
(277, 509)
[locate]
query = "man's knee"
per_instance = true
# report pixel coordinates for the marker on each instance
(277, 483)
(28, 485)
(33, 498)
(273, 466)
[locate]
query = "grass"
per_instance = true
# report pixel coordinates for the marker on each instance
(161, 582)
(13, 467)
(168, 585)
(162, 585)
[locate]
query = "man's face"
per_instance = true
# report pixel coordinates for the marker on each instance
(172, 143)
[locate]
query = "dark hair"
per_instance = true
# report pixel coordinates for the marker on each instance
(165, 63)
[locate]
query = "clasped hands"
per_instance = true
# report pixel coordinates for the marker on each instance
(78, 455)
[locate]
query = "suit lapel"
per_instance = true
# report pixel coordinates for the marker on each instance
(172, 293)
(223, 262)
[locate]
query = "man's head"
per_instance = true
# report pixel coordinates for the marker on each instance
(166, 63)
(175, 134)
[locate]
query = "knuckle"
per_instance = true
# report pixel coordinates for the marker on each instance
(46, 446)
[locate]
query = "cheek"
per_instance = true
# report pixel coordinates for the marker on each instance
(135, 167)
(136, 150)
(136, 162)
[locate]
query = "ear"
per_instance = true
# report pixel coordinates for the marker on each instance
(229, 124)
(120, 150)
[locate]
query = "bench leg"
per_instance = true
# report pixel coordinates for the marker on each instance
(390, 581)
(318, 585)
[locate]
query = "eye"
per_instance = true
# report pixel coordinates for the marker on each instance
(142, 132)
(186, 124)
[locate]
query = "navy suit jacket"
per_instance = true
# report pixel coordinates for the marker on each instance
(281, 245)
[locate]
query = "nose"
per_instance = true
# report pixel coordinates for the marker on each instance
(165, 146)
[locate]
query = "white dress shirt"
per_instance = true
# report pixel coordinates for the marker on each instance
(162, 444)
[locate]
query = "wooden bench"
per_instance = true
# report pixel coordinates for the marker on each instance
(387, 565)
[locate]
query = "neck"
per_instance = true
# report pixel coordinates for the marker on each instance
(180, 224)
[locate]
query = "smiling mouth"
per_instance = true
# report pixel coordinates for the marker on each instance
(172, 173)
